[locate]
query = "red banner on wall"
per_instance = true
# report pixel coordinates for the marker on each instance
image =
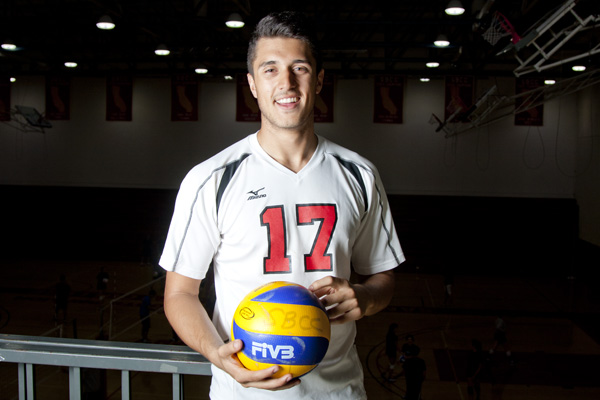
(184, 98)
(388, 99)
(58, 98)
(119, 96)
(4, 99)
(459, 97)
(246, 109)
(531, 116)
(324, 101)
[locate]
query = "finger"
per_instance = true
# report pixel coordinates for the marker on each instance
(341, 295)
(274, 384)
(321, 285)
(231, 348)
(263, 379)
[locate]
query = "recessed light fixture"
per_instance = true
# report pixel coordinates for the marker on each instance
(70, 64)
(162, 50)
(105, 23)
(549, 82)
(455, 7)
(235, 21)
(13, 79)
(441, 41)
(201, 70)
(578, 68)
(424, 79)
(432, 64)
(228, 77)
(8, 45)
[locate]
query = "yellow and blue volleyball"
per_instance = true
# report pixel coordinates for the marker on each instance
(281, 323)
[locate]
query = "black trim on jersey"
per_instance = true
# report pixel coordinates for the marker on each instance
(350, 166)
(226, 178)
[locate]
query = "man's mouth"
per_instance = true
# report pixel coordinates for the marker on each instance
(287, 100)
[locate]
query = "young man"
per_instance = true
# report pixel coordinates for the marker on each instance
(281, 204)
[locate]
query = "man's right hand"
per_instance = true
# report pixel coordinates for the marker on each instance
(261, 379)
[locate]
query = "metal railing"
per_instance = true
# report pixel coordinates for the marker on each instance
(28, 351)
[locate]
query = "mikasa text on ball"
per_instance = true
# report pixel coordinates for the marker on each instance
(281, 323)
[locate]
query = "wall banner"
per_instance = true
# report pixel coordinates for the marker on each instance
(184, 97)
(246, 109)
(388, 99)
(4, 98)
(58, 98)
(119, 97)
(458, 98)
(324, 101)
(533, 116)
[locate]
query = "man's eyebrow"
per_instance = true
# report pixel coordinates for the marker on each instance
(273, 62)
(265, 63)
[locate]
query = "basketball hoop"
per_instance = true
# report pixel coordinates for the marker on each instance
(500, 27)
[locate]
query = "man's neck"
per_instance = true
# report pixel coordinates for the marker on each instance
(292, 149)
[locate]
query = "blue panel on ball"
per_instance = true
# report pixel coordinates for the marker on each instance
(288, 295)
(279, 349)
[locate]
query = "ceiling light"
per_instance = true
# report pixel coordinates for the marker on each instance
(8, 45)
(578, 68)
(13, 79)
(441, 41)
(549, 82)
(228, 77)
(432, 64)
(424, 79)
(105, 23)
(455, 7)
(201, 70)
(235, 21)
(71, 64)
(162, 50)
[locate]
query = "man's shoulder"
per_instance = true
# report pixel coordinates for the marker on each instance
(231, 154)
(346, 155)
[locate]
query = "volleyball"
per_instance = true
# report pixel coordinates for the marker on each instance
(281, 323)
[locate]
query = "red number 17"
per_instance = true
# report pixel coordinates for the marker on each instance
(278, 261)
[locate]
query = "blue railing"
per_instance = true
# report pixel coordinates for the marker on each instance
(75, 354)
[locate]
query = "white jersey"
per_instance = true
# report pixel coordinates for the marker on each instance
(259, 222)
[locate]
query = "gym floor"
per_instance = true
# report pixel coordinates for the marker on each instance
(550, 322)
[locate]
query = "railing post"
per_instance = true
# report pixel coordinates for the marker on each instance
(110, 319)
(26, 382)
(74, 383)
(125, 388)
(22, 381)
(177, 387)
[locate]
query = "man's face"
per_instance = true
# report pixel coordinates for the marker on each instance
(285, 83)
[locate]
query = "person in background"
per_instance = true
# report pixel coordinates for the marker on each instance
(61, 299)
(474, 368)
(414, 370)
(391, 351)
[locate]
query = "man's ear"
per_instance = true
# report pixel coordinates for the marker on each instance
(320, 78)
(252, 85)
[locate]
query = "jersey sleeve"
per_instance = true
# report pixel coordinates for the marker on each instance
(377, 247)
(193, 234)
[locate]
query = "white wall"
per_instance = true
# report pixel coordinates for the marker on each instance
(153, 152)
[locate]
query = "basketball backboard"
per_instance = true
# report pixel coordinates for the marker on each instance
(33, 117)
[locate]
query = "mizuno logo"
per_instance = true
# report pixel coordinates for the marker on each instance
(285, 352)
(255, 194)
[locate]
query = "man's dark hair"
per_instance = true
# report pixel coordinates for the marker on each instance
(286, 24)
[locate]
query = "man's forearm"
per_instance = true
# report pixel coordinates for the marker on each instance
(380, 289)
(191, 321)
